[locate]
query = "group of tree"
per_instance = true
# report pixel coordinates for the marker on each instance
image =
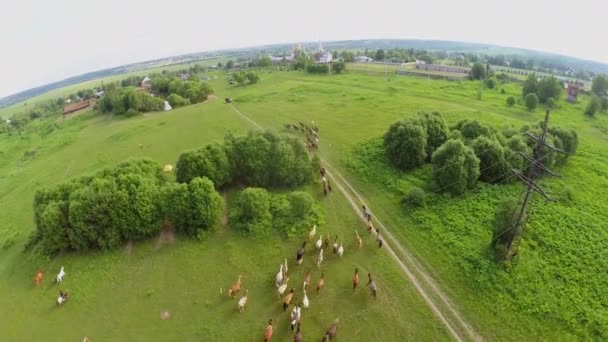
(599, 97)
(257, 212)
(129, 101)
(128, 202)
(472, 151)
(243, 77)
(256, 159)
(193, 89)
(547, 91)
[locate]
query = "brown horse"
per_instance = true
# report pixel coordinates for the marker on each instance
(38, 278)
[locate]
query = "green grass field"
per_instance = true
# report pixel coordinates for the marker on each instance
(553, 292)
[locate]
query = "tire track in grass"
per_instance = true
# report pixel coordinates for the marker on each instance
(434, 287)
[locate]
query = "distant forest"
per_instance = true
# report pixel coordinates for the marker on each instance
(547, 60)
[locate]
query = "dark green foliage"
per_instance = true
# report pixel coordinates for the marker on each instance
(530, 85)
(472, 129)
(550, 103)
(455, 134)
(133, 81)
(414, 198)
(478, 71)
(593, 106)
(251, 215)
(210, 161)
(510, 101)
(192, 207)
(599, 85)
(505, 227)
(604, 103)
(490, 83)
(317, 68)
(177, 101)
(100, 211)
(531, 101)
(455, 167)
(192, 89)
(405, 144)
(503, 91)
(294, 213)
(120, 101)
(268, 159)
(549, 87)
(265, 62)
(380, 55)
(492, 163)
(239, 77)
(338, 67)
(436, 130)
(252, 77)
(230, 64)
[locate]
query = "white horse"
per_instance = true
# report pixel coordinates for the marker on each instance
(61, 275)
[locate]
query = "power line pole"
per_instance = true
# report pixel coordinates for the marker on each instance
(536, 169)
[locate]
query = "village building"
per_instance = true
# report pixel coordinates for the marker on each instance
(363, 59)
(322, 56)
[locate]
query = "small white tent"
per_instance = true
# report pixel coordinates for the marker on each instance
(167, 106)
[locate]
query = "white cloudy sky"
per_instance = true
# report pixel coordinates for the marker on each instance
(43, 41)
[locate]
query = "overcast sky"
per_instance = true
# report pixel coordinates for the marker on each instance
(44, 41)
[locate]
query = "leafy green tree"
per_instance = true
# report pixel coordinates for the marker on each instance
(405, 144)
(177, 101)
(455, 167)
(239, 77)
(229, 64)
(478, 71)
(510, 101)
(252, 77)
(414, 198)
(436, 130)
(347, 56)
(265, 62)
(550, 103)
(251, 214)
(549, 87)
(531, 101)
(599, 85)
(472, 129)
(530, 85)
(210, 161)
(593, 106)
(494, 168)
(338, 67)
(490, 83)
(380, 55)
(604, 103)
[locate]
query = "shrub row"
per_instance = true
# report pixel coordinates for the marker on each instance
(257, 159)
(127, 202)
(257, 212)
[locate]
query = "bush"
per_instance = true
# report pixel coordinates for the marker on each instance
(478, 71)
(177, 101)
(510, 101)
(415, 198)
(251, 214)
(252, 77)
(295, 213)
(491, 83)
(531, 101)
(549, 87)
(604, 103)
(338, 67)
(593, 106)
(530, 85)
(505, 227)
(455, 167)
(502, 91)
(211, 162)
(192, 207)
(492, 163)
(550, 103)
(317, 68)
(435, 128)
(100, 211)
(472, 129)
(268, 159)
(405, 144)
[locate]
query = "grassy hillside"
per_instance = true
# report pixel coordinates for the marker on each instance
(550, 291)
(553, 291)
(119, 295)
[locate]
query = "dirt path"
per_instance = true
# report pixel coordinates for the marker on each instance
(439, 303)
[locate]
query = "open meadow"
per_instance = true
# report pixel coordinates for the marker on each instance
(554, 290)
